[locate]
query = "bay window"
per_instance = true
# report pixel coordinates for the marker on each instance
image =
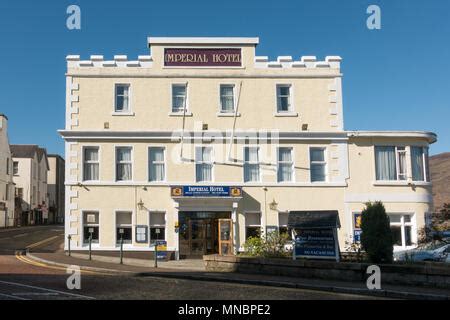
(419, 163)
(390, 163)
(401, 229)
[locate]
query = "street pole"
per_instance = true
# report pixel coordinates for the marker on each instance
(156, 254)
(121, 249)
(69, 237)
(90, 251)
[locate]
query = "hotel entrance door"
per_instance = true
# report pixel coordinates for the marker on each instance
(199, 233)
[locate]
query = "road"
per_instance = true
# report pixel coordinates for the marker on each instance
(20, 280)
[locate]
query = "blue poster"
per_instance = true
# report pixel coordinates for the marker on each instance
(315, 243)
(357, 235)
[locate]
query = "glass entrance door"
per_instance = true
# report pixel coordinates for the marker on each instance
(199, 233)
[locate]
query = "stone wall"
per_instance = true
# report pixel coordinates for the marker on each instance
(423, 274)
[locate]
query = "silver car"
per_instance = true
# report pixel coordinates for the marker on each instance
(430, 252)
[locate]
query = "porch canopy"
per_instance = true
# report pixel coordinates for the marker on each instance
(319, 219)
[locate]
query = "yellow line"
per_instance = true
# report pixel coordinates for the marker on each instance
(27, 260)
(41, 242)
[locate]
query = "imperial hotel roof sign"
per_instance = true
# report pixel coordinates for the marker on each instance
(204, 134)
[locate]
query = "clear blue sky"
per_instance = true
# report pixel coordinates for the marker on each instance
(396, 78)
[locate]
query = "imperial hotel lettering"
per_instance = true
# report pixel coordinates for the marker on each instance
(202, 57)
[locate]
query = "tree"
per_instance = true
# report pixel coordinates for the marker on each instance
(376, 237)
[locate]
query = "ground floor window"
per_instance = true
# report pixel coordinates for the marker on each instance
(252, 224)
(283, 223)
(157, 226)
(123, 226)
(91, 226)
(401, 229)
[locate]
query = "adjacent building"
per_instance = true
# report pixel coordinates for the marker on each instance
(7, 218)
(55, 188)
(202, 143)
(30, 169)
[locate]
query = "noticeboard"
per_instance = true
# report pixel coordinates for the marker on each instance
(319, 243)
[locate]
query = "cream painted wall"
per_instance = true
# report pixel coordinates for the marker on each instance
(6, 181)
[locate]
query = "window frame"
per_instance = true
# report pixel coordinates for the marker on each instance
(203, 162)
(278, 97)
(116, 226)
(128, 110)
(253, 225)
(116, 163)
(84, 224)
(324, 163)
(186, 98)
(402, 224)
(84, 161)
(221, 110)
(291, 148)
(425, 163)
(15, 169)
(158, 162)
(245, 163)
(156, 226)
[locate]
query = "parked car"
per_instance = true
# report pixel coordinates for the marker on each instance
(431, 252)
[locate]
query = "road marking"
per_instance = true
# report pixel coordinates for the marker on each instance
(45, 289)
(35, 294)
(27, 260)
(20, 235)
(12, 297)
(34, 245)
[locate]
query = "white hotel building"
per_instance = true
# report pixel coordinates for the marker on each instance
(207, 112)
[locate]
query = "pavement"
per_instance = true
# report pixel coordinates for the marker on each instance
(47, 256)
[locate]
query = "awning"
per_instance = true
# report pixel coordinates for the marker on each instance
(314, 219)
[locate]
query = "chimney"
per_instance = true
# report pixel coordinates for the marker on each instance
(3, 122)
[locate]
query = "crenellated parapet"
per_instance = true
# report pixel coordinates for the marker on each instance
(332, 62)
(98, 61)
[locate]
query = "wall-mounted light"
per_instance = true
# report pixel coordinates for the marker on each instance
(273, 205)
(140, 204)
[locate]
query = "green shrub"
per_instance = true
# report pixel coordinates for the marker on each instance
(376, 238)
(271, 245)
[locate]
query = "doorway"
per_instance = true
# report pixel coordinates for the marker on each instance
(199, 233)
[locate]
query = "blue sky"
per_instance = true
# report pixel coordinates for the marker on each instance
(396, 78)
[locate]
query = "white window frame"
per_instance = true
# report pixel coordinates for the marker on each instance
(397, 163)
(150, 225)
(186, 100)
(203, 162)
(125, 244)
(260, 225)
(131, 161)
(402, 224)
(251, 162)
(127, 111)
(83, 162)
(83, 244)
(278, 98)
(285, 162)
(324, 162)
(157, 162)
(221, 111)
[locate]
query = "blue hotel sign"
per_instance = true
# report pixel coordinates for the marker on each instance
(206, 191)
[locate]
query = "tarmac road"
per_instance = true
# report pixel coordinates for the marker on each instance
(23, 279)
